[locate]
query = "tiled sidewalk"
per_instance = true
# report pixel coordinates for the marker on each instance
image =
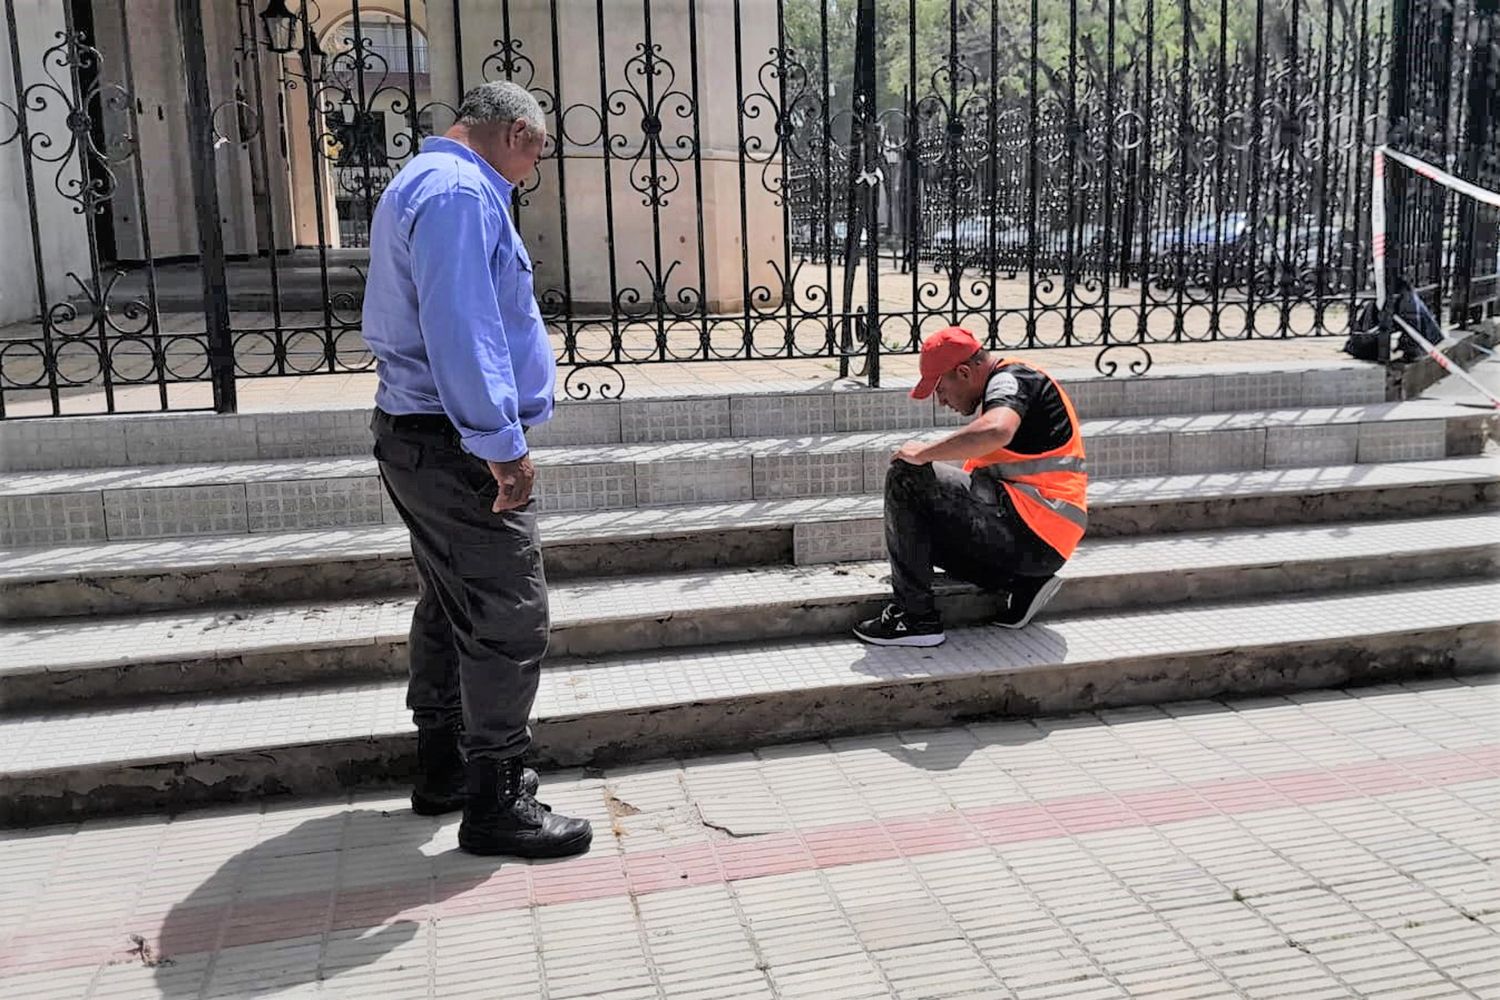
(1324, 845)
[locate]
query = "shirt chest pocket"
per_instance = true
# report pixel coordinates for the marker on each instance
(525, 283)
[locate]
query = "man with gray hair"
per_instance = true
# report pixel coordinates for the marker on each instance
(465, 368)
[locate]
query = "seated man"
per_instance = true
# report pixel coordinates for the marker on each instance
(1014, 514)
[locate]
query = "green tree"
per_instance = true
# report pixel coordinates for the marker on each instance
(1071, 36)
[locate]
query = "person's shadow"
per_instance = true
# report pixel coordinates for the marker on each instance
(954, 689)
(307, 905)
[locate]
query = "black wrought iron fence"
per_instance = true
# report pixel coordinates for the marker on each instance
(737, 180)
(1320, 212)
(1446, 110)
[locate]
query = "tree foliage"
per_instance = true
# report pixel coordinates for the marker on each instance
(1069, 41)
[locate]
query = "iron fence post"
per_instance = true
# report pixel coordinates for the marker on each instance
(1480, 96)
(200, 128)
(873, 169)
(1394, 191)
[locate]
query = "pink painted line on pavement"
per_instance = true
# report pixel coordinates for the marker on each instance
(603, 876)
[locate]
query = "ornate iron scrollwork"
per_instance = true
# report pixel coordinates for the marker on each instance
(595, 380)
(85, 173)
(1107, 366)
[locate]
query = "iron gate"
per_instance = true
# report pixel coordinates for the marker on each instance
(1445, 109)
(189, 185)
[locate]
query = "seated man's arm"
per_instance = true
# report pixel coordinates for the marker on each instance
(988, 431)
(1005, 402)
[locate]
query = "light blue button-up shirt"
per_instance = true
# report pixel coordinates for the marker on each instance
(450, 311)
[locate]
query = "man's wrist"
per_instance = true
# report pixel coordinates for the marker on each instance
(501, 447)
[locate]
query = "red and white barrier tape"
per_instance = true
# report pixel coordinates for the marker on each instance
(1378, 241)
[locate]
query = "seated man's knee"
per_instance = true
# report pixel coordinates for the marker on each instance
(904, 481)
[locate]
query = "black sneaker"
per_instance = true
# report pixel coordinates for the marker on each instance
(1028, 596)
(895, 628)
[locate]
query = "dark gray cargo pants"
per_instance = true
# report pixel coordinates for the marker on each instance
(480, 627)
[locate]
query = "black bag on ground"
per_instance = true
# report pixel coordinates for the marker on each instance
(1371, 324)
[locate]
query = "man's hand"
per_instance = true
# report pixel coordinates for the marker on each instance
(912, 453)
(515, 480)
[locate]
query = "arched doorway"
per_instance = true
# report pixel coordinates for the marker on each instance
(371, 98)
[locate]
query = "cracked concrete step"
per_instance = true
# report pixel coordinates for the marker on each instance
(690, 412)
(119, 504)
(62, 661)
(60, 766)
(124, 577)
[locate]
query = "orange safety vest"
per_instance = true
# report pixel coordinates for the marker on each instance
(1049, 490)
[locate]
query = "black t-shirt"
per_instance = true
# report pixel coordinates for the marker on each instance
(1044, 418)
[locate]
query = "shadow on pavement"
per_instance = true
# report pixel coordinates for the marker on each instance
(331, 895)
(958, 683)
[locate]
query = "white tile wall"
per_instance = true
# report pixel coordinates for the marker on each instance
(52, 519)
(1218, 451)
(816, 542)
(809, 475)
(298, 505)
(174, 511)
(1329, 445)
(782, 416)
(643, 420)
(715, 480)
(1403, 440)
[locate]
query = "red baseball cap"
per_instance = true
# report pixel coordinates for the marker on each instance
(941, 353)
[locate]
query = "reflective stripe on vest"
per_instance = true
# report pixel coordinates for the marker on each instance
(1059, 507)
(1031, 466)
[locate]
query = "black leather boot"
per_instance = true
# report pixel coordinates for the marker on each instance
(501, 817)
(440, 774)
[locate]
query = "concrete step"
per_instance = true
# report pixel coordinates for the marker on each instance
(60, 766)
(96, 659)
(710, 412)
(130, 503)
(1453, 389)
(1471, 348)
(133, 577)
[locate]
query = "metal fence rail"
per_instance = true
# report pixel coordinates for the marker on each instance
(738, 180)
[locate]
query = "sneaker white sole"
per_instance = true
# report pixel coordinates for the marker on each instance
(917, 641)
(1043, 597)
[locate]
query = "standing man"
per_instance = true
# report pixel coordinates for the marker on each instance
(1014, 514)
(465, 367)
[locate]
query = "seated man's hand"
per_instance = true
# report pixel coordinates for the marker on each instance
(515, 480)
(911, 454)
